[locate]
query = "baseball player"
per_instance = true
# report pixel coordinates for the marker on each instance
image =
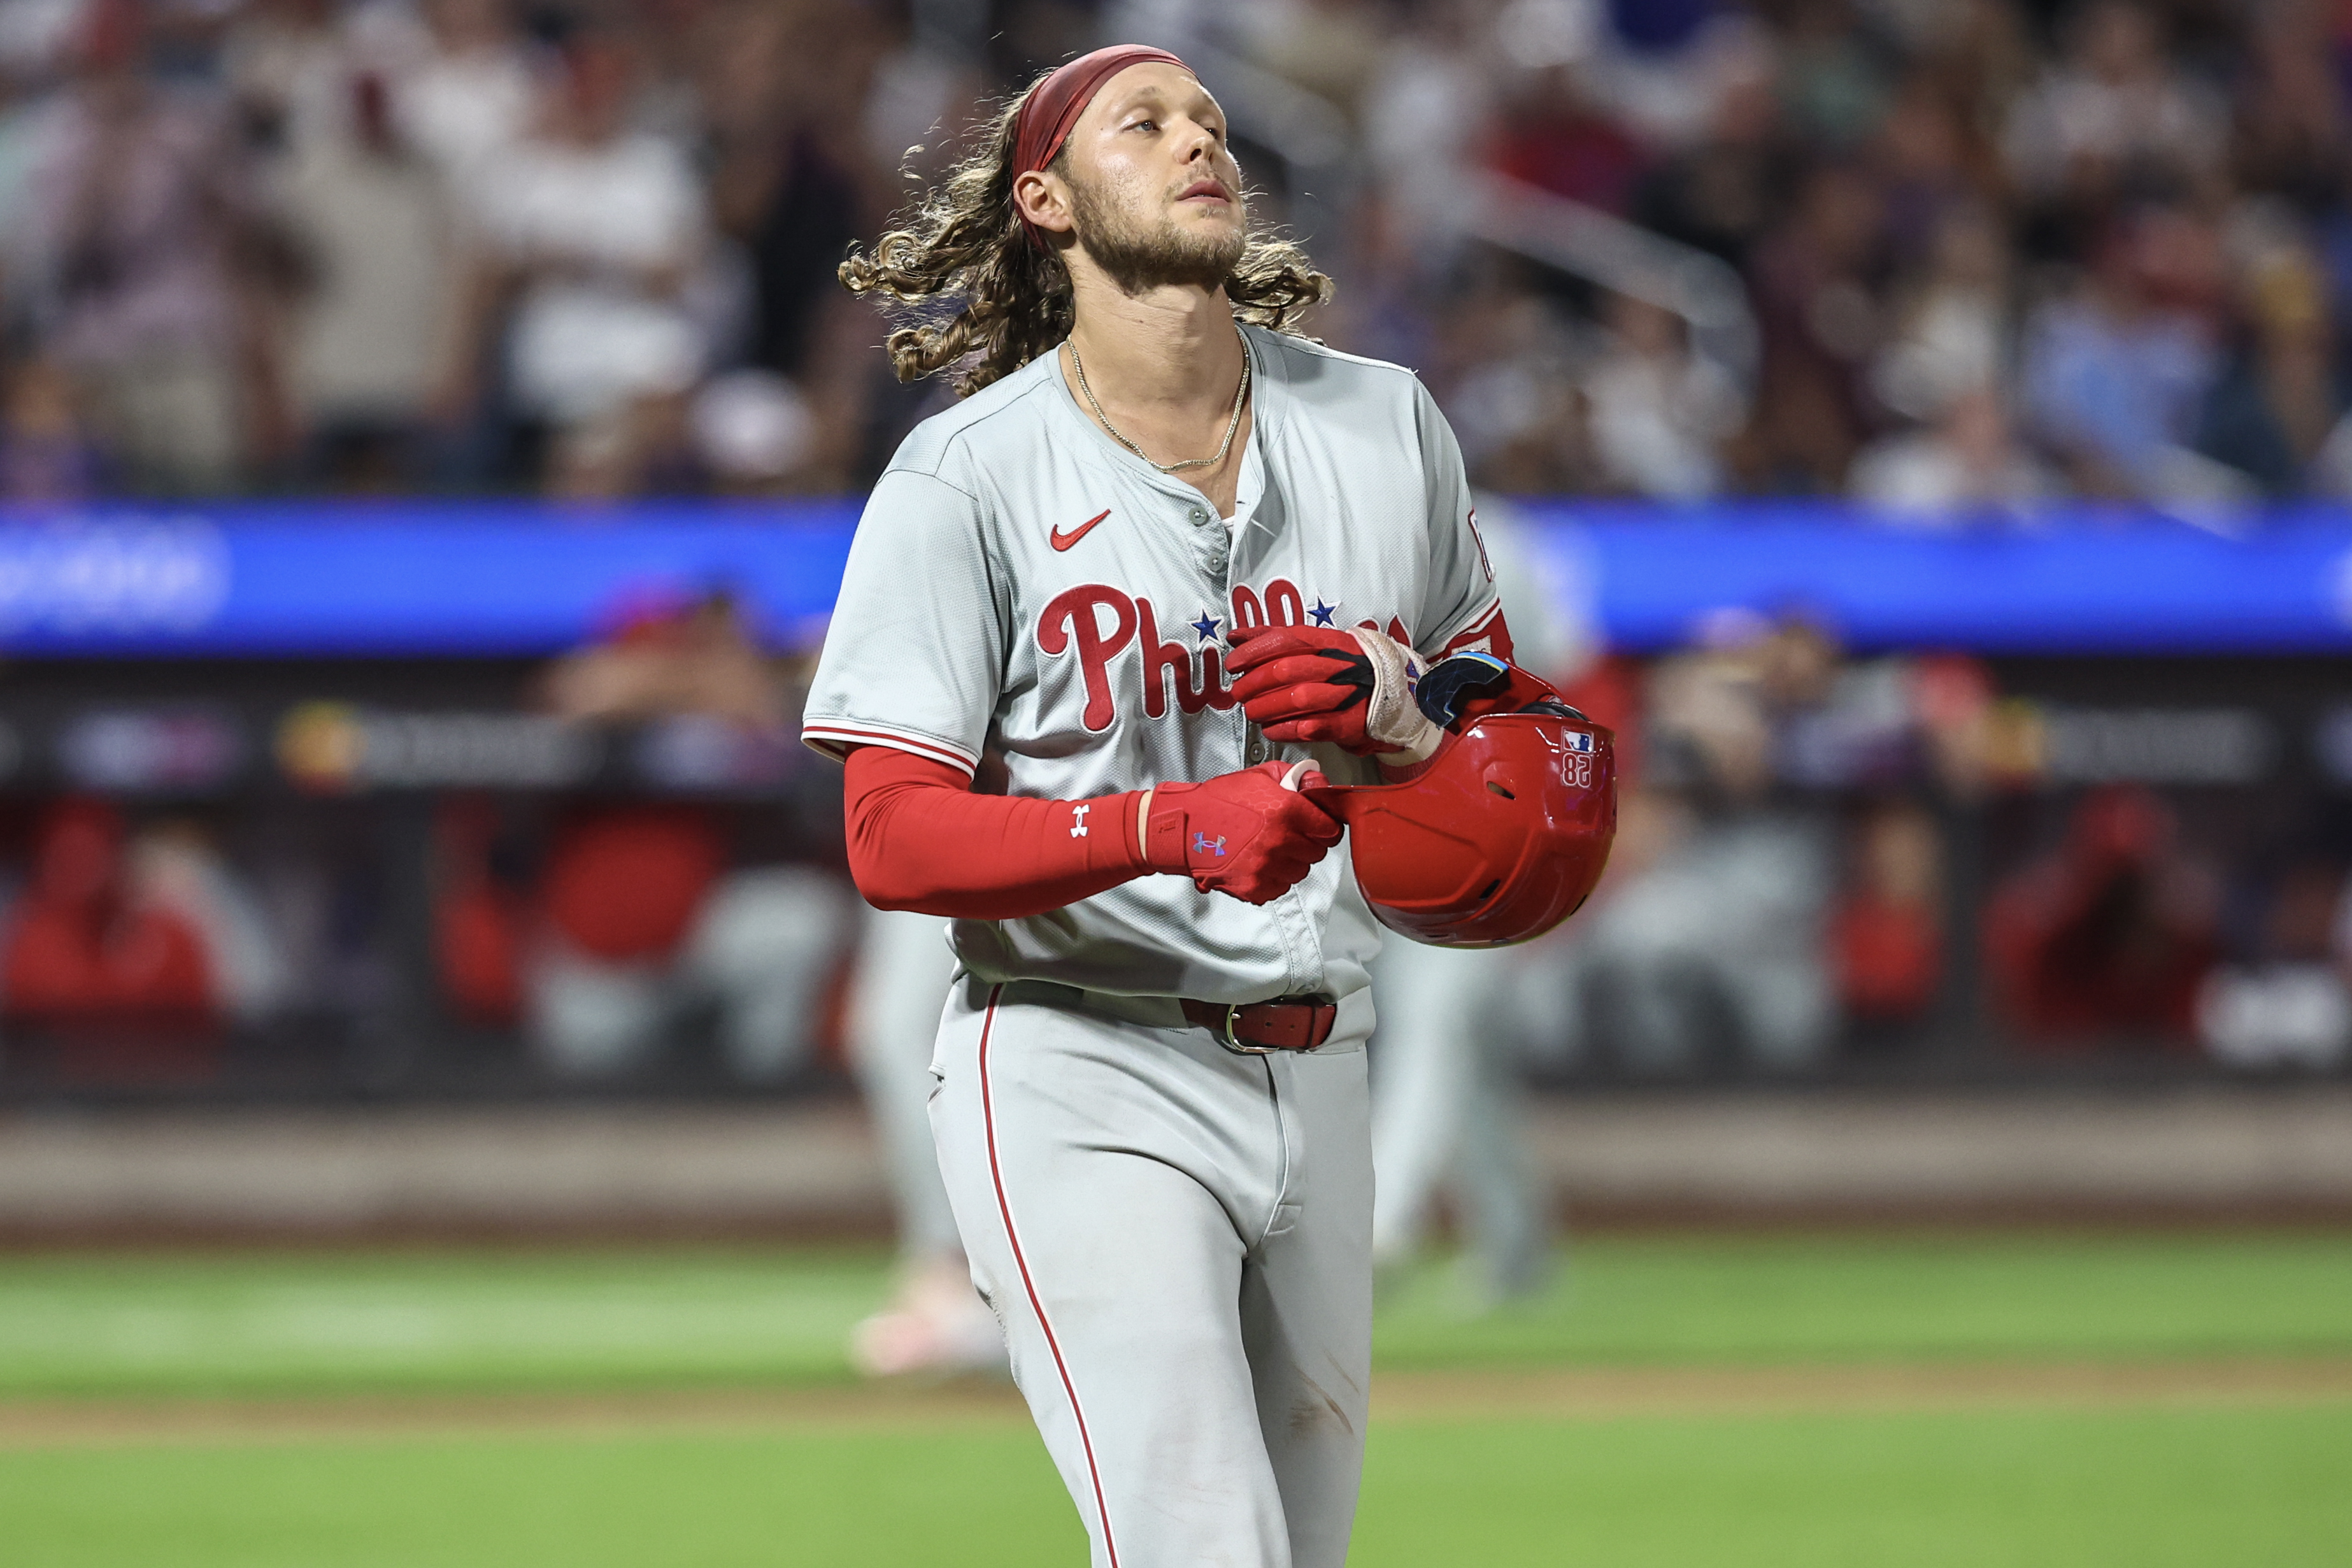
(1164, 569)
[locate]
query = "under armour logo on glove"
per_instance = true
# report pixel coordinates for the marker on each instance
(1078, 826)
(1266, 834)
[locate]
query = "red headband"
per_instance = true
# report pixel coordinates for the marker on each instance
(1048, 114)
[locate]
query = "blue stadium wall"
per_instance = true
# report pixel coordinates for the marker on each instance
(516, 579)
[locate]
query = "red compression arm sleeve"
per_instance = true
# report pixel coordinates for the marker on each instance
(920, 839)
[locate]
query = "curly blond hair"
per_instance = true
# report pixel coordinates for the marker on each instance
(964, 242)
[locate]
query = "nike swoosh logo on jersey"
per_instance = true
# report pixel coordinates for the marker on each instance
(1063, 541)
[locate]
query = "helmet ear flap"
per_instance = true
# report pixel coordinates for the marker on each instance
(1468, 685)
(1452, 682)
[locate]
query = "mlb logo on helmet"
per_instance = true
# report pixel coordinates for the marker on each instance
(1574, 750)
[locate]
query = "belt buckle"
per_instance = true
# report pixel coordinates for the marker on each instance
(1226, 1038)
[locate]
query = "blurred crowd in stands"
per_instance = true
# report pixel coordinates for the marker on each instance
(1989, 251)
(1948, 257)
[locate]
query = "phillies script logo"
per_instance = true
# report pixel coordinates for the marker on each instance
(1098, 623)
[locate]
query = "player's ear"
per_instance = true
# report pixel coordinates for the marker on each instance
(1042, 197)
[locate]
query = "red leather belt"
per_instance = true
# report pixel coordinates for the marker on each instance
(1255, 1028)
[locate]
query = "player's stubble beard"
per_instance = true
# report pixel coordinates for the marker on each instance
(1138, 257)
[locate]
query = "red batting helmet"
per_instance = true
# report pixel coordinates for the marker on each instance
(1499, 838)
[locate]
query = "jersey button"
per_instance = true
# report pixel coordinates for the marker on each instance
(1200, 516)
(1254, 752)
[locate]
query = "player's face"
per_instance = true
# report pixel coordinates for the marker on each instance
(1155, 194)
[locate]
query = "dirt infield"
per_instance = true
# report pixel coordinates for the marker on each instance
(1591, 1393)
(1637, 1391)
(51, 1423)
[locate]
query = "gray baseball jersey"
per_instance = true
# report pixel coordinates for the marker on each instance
(1030, 602)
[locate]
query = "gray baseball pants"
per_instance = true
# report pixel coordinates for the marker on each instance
(1178, 1240)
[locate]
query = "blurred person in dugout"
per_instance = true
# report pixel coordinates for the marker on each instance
(935, 1322)
(1446, 1057)
(2106, 939)
(592, 243)
(2284, 1003)
(150, 932)
(1731, 936)
(702, 663)
(636, 922)
(144, 253)
(1711, 953)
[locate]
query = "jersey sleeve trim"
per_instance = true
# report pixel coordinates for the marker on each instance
(835, 738)
(932, 474)
(1478, 625)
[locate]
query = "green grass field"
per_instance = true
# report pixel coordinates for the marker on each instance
(2261, 1475)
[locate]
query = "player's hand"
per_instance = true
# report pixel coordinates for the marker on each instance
(1250, 835)
(1353, 689)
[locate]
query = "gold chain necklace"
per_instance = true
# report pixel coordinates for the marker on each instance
(1223, 447)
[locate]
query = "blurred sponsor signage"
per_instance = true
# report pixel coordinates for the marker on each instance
(2033, 742)
(2332, 744)
(150, 751)
(91, 580)
(518, 578)
(696, 751)
(330, 747)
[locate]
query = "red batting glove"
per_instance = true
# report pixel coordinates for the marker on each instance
(1244, 833)
(1304, 684)
(1353, 688)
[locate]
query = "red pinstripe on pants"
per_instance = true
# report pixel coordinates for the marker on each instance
(1020, 1261)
